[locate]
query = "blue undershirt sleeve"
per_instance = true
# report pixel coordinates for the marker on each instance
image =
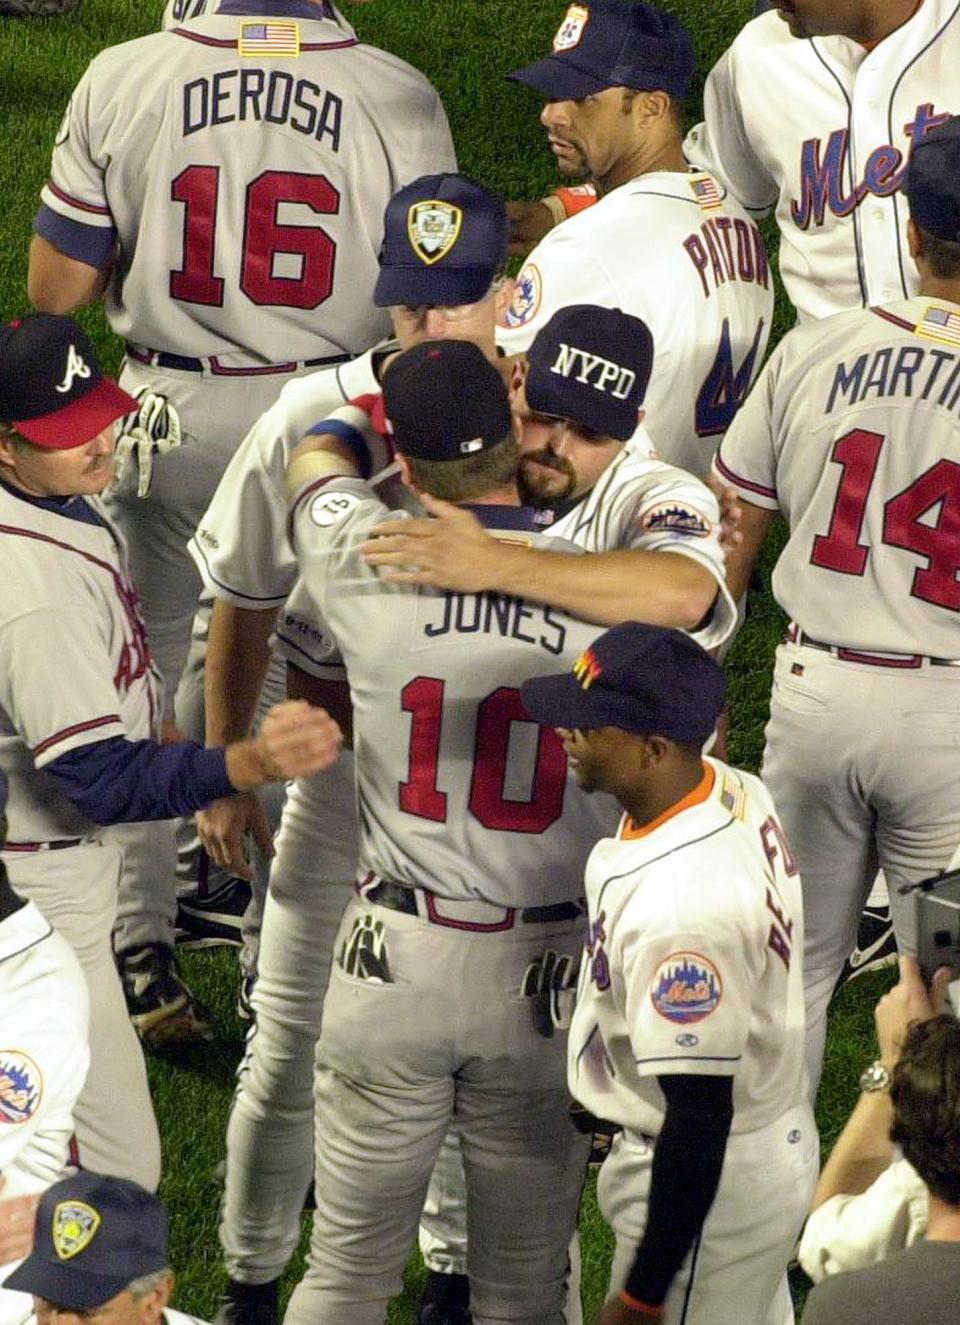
(120, 781)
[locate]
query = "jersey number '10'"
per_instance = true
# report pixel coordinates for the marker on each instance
(905, 516)
(264, 239)
(422, 698)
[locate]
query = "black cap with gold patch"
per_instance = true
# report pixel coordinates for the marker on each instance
(444, 241)
(94, 1236)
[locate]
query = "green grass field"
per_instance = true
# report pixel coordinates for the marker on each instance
(464, 46)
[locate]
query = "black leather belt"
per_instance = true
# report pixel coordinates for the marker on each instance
(185, 364)
(397, 897)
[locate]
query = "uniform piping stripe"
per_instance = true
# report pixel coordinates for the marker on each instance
(693, 1272)
(682, 846)
(65, 733)
(851, 183)
(42, 938)
(71, 201)
(892, 317)
(691, 1058)
(297, 648)
(728, 473)
(268, 600)
(230, 43)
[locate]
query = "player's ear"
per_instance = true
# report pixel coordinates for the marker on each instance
(914, 239)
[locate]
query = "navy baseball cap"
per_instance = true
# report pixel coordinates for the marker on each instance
(591, 365)
(445, 401)
(932, 183)
(94, 1235)
(609, 44)
(651, 680)
(52, 389)
(444, 241)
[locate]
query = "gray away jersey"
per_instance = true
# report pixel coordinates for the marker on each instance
(244, 163)
(459, 791)
(75, 666)
(853, 431)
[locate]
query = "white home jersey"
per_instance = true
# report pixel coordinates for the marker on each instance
(252, 225)
(852, 432)
(241, 547)
(821, 130)
(677, 251)
(44, 1056)
(75, 666)
(459, 791)
(642, 503)
(693, 959)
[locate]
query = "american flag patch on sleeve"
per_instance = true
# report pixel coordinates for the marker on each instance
(940, 324)
(276, 38)
(705, 192)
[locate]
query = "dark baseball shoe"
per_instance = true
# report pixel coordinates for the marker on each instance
(249, 1304)
(876, 945)
(164, 1012)
(36, 8)
(446, 1300)
(213, 919)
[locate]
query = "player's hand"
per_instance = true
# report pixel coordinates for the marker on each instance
(907, 1002)
(731, 513)
(223, 826)
(297, 739)
(18, 1218)
(616, 1312)
(529, 222)
(450, 551)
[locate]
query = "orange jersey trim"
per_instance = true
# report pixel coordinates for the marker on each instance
(629, 832)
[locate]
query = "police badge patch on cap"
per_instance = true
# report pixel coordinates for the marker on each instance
(74, 1225)
(434, 228)
(570, 31)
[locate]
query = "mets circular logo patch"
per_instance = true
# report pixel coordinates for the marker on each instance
(21, 1086)
(74, 1225)
(433, 227)
(526, 297)
(686, 987)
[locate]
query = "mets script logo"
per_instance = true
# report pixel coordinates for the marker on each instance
(673, 519)
(76, 367)
(824, 171)
(526, 297)
(599, 966)
(21, 1087)
(74, 1225)
(686, 987)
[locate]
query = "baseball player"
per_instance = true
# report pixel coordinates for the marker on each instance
(614, 85)
(100, 1254)
(468, 843)
(238, 253)
(79, 703)
(44, 1028)
(814, 112)
(688, 1027)
(861, 462)
(440, 275)
(584, 370)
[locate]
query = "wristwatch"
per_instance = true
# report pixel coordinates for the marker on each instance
(876, 1077)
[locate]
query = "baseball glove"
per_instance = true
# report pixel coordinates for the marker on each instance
(151, 431)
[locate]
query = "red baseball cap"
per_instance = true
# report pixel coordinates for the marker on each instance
(52, 389)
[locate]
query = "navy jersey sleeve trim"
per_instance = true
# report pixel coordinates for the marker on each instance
(92, 244)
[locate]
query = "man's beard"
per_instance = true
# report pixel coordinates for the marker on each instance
(531, 491)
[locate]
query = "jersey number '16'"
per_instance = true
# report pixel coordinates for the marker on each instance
(906, 519)
(306, 247)
(422, 698)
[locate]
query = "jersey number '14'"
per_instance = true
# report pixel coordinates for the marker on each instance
(308, 248)
(422, 698)
(936, 493)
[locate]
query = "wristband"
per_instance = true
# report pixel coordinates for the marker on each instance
(654, 1313)
(350, 436)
